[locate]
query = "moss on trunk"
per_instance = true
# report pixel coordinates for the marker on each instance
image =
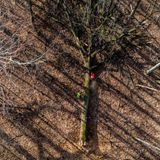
(83, 129)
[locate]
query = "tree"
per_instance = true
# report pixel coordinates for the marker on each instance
(12, 46)
(100, 28)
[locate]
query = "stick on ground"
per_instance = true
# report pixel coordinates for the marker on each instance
(153, 68)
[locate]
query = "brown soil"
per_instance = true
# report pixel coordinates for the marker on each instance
(40, 119)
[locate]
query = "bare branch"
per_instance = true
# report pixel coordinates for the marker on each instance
(11, 44)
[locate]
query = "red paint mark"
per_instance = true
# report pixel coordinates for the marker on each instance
(92, 76)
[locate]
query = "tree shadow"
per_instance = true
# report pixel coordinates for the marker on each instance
(23, 120)
(93, 119)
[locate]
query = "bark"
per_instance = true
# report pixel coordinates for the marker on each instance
(83, 129)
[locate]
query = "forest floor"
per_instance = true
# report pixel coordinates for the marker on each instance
(41, 117)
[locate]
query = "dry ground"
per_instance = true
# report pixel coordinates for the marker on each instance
(41, 117)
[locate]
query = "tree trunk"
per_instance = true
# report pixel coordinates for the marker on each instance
(83, 129)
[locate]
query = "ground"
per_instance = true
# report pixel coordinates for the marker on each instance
(40, 119)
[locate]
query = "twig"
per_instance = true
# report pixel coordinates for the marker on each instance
(153, 68)
(158, 81)
(148, 144)
(142, 86)
(134, 11)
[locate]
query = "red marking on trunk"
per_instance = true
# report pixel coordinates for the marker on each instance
(92, 76)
